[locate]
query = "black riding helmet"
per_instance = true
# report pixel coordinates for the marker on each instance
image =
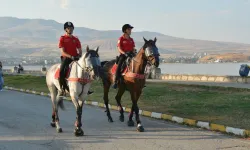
(126, 26)
(68, 24)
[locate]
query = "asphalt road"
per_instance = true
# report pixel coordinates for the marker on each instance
(25, 124)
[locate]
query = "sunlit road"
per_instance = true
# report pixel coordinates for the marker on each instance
(25, 124)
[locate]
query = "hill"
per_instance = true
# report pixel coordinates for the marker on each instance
(227, 57)
(39, 37)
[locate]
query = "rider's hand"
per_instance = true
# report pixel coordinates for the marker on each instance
(74, 57)
(126, 54)
(135, 51)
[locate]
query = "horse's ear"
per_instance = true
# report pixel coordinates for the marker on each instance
(155, 39)
(87, 48)
(145, 40)
(97, 49)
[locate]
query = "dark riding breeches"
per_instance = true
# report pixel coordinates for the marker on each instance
(121, 60)
(64, 65)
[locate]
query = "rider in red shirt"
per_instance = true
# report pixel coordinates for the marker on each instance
(126, 47)
(71, 50)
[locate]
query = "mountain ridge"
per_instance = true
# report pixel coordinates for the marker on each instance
(42, 36)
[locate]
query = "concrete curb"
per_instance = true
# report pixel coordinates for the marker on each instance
(195, 123)
(205, 78)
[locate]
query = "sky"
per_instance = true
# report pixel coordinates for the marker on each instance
(216, 20)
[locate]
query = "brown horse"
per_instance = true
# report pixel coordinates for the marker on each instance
(132, 80)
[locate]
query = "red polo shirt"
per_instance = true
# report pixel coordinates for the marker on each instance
(126, 45)
(70, 44)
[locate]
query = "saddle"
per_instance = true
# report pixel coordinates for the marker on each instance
(68, 69)
(124, 66)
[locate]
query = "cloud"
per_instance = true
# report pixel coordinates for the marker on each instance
(64, 4)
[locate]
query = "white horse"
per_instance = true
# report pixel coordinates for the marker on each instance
(82, 72)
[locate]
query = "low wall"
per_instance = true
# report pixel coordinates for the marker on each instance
(7, 70)
(156, 74)
(205, 78)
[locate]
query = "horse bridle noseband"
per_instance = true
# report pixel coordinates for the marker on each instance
(152, 54)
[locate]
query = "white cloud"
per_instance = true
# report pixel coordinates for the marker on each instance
(64, 4)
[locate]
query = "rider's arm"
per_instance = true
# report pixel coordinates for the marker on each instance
(119, 46)
(79, 47)
(80, 51)
(120, 50)
(64, 53)
(61, 46)
(134, 50)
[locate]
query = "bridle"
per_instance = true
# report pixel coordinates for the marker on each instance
(83, 79)
(148, 54)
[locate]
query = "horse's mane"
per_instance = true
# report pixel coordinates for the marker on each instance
(103, 63)
(82, 57)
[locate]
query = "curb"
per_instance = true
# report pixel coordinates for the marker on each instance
(190, 122)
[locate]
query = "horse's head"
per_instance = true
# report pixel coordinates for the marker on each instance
(151, 52)
(92, 63)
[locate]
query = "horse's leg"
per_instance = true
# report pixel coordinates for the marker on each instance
(106, 87)
(78, 105)
(130, 116)
(53, 93)
(78, 130)
(58, 128)
(136, 109)
(118, 100)
(55, 117)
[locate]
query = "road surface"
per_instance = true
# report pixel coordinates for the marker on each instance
(25, 118)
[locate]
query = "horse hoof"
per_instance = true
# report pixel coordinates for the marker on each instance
(78, 132)
(59, 130)
(53, 124)
(121, 119)
(140, 129)
(131, 123)
(110, 120)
